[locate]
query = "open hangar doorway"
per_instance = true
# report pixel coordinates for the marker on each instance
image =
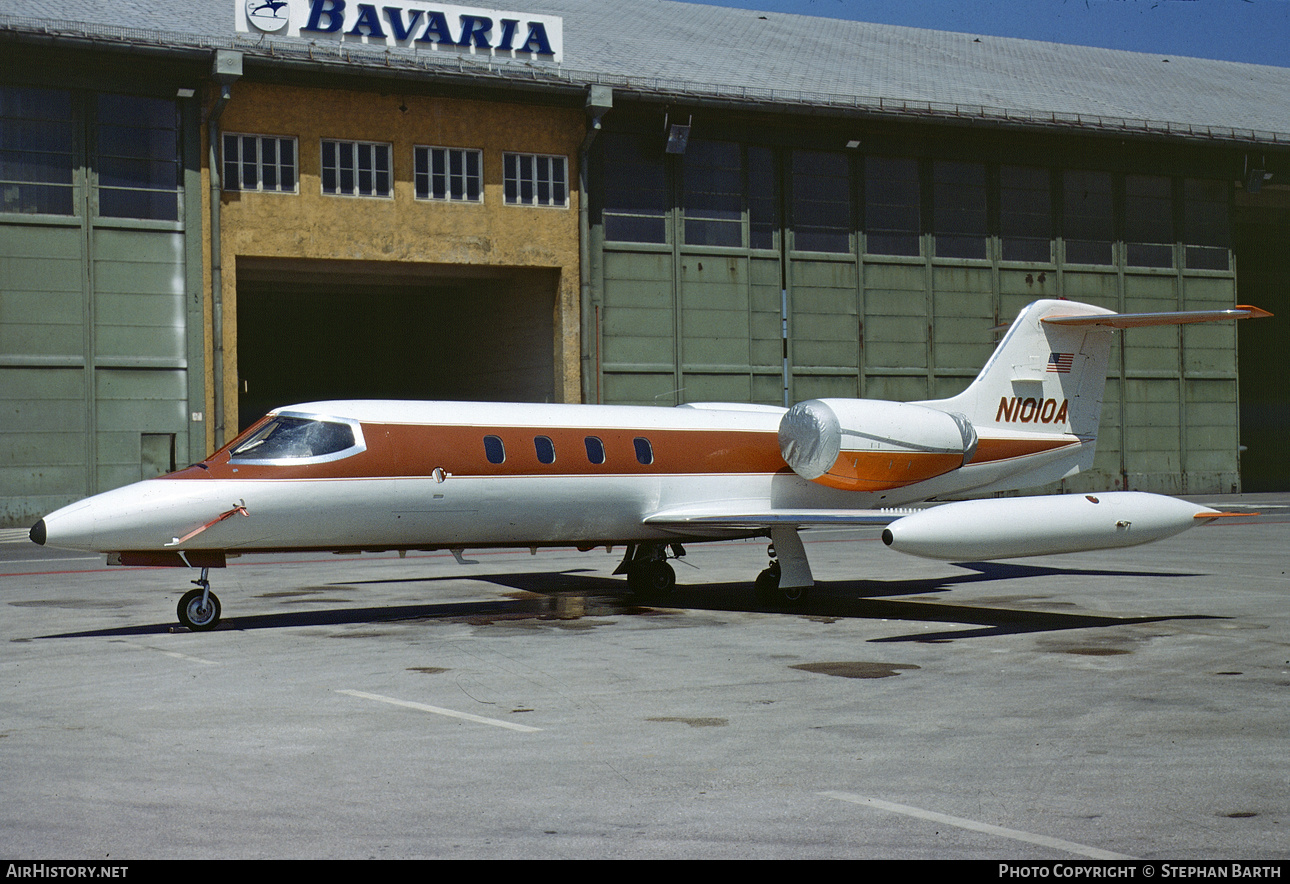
(309, 330)
(1263, 279)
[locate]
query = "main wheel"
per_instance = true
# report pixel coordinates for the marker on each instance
(651, 579)
(794, 595)
(766, 586)
(195, 615)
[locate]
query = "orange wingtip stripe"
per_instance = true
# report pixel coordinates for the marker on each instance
(1223, 515)
(1255, 312)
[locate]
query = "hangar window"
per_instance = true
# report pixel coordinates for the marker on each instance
(821, 201)
(37, 137)
(136, 155)
(713, 181)
(635, 190)
(262, 163)
(1025, 214)
(494, 450)
(544, 448)
(1206, 225)
(290, 439)
(1148, 221)
(449, 173)
(1088, 217)
(892, 206)
(355, 168)
(535, 180)
(763, 198)
(959, 209)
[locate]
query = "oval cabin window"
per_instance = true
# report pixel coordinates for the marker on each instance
(644, 451)
(545, 449)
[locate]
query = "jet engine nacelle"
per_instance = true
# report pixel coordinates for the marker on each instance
(1013, 527)
(871, 444)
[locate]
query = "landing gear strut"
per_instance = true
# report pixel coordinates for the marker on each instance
(788, 576)
(199, 608)
(649, 576)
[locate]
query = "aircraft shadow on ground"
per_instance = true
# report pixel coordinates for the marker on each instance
(548, 593)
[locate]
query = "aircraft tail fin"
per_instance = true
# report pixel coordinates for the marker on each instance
(1043, 378)
(1048, 373)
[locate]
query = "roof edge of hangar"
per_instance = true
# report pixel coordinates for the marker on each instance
(394, 63)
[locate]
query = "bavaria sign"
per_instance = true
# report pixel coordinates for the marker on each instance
(419, 26)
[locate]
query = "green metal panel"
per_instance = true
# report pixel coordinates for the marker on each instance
(139, 295)
(128, 403)
(41, 291)
(824, 322)
(896, 317)
(638, 325)
(963, 314)
(715, 317)
(897, 387)
(766, 346)
(639, 388)
(42, 441)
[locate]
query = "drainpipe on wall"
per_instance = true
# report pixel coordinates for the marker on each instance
(600, 100)
(226, 69)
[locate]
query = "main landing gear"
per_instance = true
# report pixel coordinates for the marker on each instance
(199, 608)
(649, 576)
(788, 576)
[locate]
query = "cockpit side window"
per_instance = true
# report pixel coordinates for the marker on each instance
(296, 439)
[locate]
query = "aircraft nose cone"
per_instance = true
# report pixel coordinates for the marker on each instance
(37, 534)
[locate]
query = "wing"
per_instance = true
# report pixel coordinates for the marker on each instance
(687, 519)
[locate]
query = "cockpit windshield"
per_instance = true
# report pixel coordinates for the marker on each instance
(293, 439)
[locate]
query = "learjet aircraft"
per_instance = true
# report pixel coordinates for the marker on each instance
(371, 475)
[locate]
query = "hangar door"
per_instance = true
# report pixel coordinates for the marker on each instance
(311, 330)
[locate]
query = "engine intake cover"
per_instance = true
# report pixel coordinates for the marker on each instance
(873, 445)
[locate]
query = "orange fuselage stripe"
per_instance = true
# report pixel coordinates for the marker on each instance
(415, 450)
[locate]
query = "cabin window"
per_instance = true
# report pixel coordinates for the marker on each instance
(494, 450)
(545, 449)
(595, 450)
(298, 439)
(644, 451)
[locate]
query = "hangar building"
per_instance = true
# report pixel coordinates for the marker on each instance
(211, 209)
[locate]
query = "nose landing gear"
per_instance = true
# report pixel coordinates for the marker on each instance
(199, 608)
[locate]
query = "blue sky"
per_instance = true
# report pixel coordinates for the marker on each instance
(1256, 31)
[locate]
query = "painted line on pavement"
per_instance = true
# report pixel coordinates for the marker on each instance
(438, 710)
(974, 826)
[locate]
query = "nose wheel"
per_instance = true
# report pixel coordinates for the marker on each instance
(199, 608)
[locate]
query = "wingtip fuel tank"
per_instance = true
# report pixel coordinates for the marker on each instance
(1014, 527)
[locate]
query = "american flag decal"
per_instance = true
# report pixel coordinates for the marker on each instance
(1061, 362)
